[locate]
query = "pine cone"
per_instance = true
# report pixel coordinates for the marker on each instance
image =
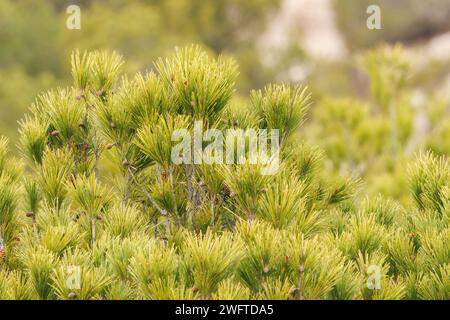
(226, 190)
(30, 214)
(54, 133)
(72, 295)
(293, 293)
(2, 253)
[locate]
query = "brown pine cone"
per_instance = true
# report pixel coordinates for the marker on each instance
(30, 214)
(72, 295)
(2, 253)
(54, 133)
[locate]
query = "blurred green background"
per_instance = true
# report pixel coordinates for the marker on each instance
(311, 41)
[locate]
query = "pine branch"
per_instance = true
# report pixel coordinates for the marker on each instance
(162, 211)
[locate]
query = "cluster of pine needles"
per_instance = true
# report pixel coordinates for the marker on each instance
(95, 209)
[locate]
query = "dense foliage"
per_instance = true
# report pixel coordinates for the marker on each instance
(96, 190)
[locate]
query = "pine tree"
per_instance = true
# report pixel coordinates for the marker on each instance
(101, 211)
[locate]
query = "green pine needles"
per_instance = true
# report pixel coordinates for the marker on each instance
(96, 208)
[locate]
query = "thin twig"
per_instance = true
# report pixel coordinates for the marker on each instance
(94, 141)
(172, 189)
(148, 195)
(126, 189)
(1, 238)
(188, 181)
(153, 201)
(213, 200)
(93, 231)
(97, 157)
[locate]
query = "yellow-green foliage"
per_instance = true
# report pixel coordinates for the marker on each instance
(102, 213)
